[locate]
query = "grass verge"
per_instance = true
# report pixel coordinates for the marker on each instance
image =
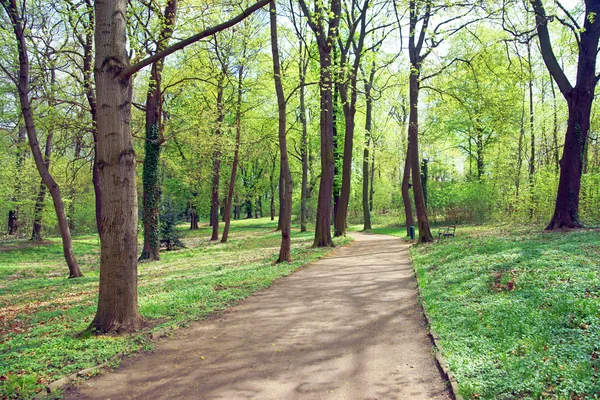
(42, 312)
(517, 310)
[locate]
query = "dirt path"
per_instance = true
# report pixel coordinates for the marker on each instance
(345, 327)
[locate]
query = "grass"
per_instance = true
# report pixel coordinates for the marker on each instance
(42, 312)
(517, 310)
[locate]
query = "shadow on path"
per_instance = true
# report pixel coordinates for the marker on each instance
(346, 327)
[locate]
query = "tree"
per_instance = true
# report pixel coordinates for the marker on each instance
(117, 299)
(579, 101)
(325, 30)
(154, 140)
(16, 18)
(286, 177)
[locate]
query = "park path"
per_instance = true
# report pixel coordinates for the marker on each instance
(345, 327)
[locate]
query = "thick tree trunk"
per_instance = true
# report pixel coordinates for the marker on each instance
(23, 87)
(117, 298)
(566, 211)
(154, 140)
(579, 101)
(413, 149)
(285, 217)
(236, 152)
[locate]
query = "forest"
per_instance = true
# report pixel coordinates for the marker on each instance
(137, 137)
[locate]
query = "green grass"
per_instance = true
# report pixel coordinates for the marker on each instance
(42, 312)
(517, 310)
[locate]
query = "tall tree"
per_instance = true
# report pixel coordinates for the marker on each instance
(579, 101)
(324, 23)
(117, 299)
(15, 16)
(154, 140)
(286, 192)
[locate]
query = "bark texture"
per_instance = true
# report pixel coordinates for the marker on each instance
(117, 298)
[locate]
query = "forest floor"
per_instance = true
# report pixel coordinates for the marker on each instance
(517, 309)
(345, 327)
(42, 313)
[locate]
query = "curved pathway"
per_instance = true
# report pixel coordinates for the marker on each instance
(345, 327)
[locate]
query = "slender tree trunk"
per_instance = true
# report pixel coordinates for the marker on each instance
(38, 212)
(90, 94)
(555, 126)
(23, 87)
(413, 149)
(366, 173)
(337, 181)
(304, 145)
(281, 195)
(117, 298)
(408, 210)
(520, 148)
(236, 152)
(13, 215)
(372, 189)
(214, 212)
(285, 217)
(531, 119)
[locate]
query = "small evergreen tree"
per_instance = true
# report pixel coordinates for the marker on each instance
(169, 236)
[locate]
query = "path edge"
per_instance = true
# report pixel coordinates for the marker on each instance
(50, 390)
(435, 339)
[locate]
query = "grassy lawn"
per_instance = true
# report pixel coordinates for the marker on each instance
(517, 310)
(42, 312)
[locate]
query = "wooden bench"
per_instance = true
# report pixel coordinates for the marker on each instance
(447, 232)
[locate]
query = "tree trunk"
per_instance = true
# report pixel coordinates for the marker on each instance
(193, 218)
(555, 127)
(304, 141)
(23, 87)
(285, 217)
(579, 101)
(408, 210)
(38, 212)
(153, 142)
(323, 221)
(88, 70)
(531, 119)
(13, 215)
(413, 149)
(236, 152)
(566, 211)
(368, 127)
(117, 298)
(281, 196)
(214, 212)
(372, 189)
(337, 181)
